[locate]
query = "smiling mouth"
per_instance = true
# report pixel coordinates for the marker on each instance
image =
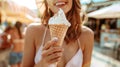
(60, 4)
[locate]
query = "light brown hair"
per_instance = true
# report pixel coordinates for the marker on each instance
(73, 17)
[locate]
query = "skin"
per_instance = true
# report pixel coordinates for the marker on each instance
(54, 8)
(51, 54)
(17, 46)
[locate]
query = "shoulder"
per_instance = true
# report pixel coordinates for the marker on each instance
(86, 31)
(87, 36)
(35, 27)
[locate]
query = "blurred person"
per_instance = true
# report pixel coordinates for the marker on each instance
(4, 42)
(77, 47)
(17, 45)
(5, 48)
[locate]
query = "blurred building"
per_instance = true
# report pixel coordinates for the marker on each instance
(104, 19)
(13, 12)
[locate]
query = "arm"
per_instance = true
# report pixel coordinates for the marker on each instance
(29, 49)
(49, 55)
(88, 47)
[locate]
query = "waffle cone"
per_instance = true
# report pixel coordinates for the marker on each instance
(58, 31)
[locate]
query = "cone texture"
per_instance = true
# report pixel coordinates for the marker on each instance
(58, 31)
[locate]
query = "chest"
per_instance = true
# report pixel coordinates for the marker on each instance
(70, 51)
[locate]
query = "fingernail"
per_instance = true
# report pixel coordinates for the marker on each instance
(55, 39)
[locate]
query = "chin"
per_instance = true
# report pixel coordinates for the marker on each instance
(65, 10)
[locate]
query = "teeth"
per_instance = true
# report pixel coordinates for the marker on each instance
(60, 3)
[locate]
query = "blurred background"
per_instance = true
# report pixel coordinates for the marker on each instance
(102, 16)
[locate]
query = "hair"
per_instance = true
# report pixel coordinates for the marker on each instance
(18, 26)
(73, 17)
(0, 18)
(8, 29)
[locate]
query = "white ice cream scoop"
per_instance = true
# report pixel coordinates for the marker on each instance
(59, 18)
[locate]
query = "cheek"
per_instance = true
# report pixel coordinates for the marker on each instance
(70, 4)
(68, 7)
(51, 6)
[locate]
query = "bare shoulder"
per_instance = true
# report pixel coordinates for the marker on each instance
(87, 31)
(35, 28)
(87, 37)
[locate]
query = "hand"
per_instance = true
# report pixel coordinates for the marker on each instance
(52, 53)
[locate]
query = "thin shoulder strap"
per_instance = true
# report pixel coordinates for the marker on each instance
(43, 39)
(38, 54)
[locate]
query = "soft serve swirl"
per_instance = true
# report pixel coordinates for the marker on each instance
(59, 18)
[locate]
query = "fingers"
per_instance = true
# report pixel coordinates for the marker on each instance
(55, 57)
(53, 54)
(51, 51)
(55, 60)
(50, 43)
(55, 49)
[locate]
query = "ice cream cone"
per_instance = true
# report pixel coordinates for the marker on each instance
(58, 25)
(59, 31)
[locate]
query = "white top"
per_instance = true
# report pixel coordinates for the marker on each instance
(76, 60)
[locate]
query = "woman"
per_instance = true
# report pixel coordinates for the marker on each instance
(17, 45)
(77, 47)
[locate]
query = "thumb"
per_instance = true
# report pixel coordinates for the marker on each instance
(50, 43)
